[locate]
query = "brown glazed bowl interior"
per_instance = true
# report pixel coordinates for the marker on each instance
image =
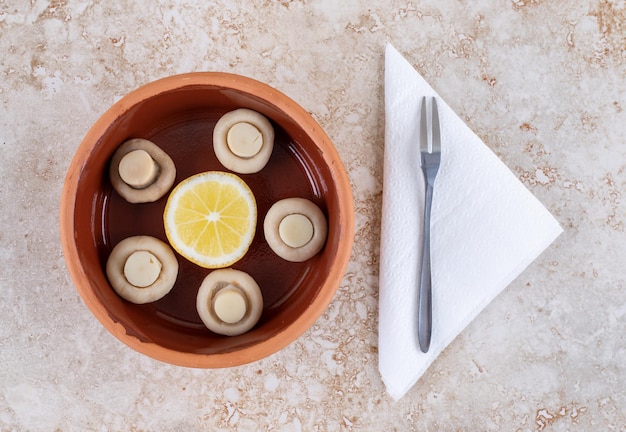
(178, 113)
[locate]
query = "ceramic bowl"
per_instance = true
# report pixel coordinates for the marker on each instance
(178, 113)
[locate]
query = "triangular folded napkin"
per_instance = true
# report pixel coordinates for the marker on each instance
(486, 229)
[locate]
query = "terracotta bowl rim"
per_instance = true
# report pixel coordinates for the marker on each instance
(341, 183)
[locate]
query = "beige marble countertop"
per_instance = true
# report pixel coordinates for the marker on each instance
(542, 82)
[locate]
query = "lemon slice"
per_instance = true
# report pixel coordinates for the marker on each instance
(210, 219)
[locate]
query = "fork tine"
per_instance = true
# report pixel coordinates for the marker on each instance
(436, 132)
(423, 127)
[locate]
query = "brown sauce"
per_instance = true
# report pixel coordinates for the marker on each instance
(188, 140)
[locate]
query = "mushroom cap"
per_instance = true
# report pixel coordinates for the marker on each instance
(220, 279)
(162, 183)
(284, 208)
(238, 164)
(117, 260)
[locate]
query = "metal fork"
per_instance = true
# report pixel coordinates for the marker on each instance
(430, 156)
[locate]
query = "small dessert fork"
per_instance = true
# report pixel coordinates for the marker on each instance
(430, 160)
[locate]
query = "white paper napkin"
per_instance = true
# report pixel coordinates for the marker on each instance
(486, 228)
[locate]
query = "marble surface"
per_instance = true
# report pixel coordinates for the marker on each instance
(543, 83)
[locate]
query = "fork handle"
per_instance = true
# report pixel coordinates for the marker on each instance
(424, 316)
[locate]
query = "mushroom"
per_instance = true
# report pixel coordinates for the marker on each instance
(141, 172)
(295, 229)
(229, 302)
(243, 141)
(142, 269)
